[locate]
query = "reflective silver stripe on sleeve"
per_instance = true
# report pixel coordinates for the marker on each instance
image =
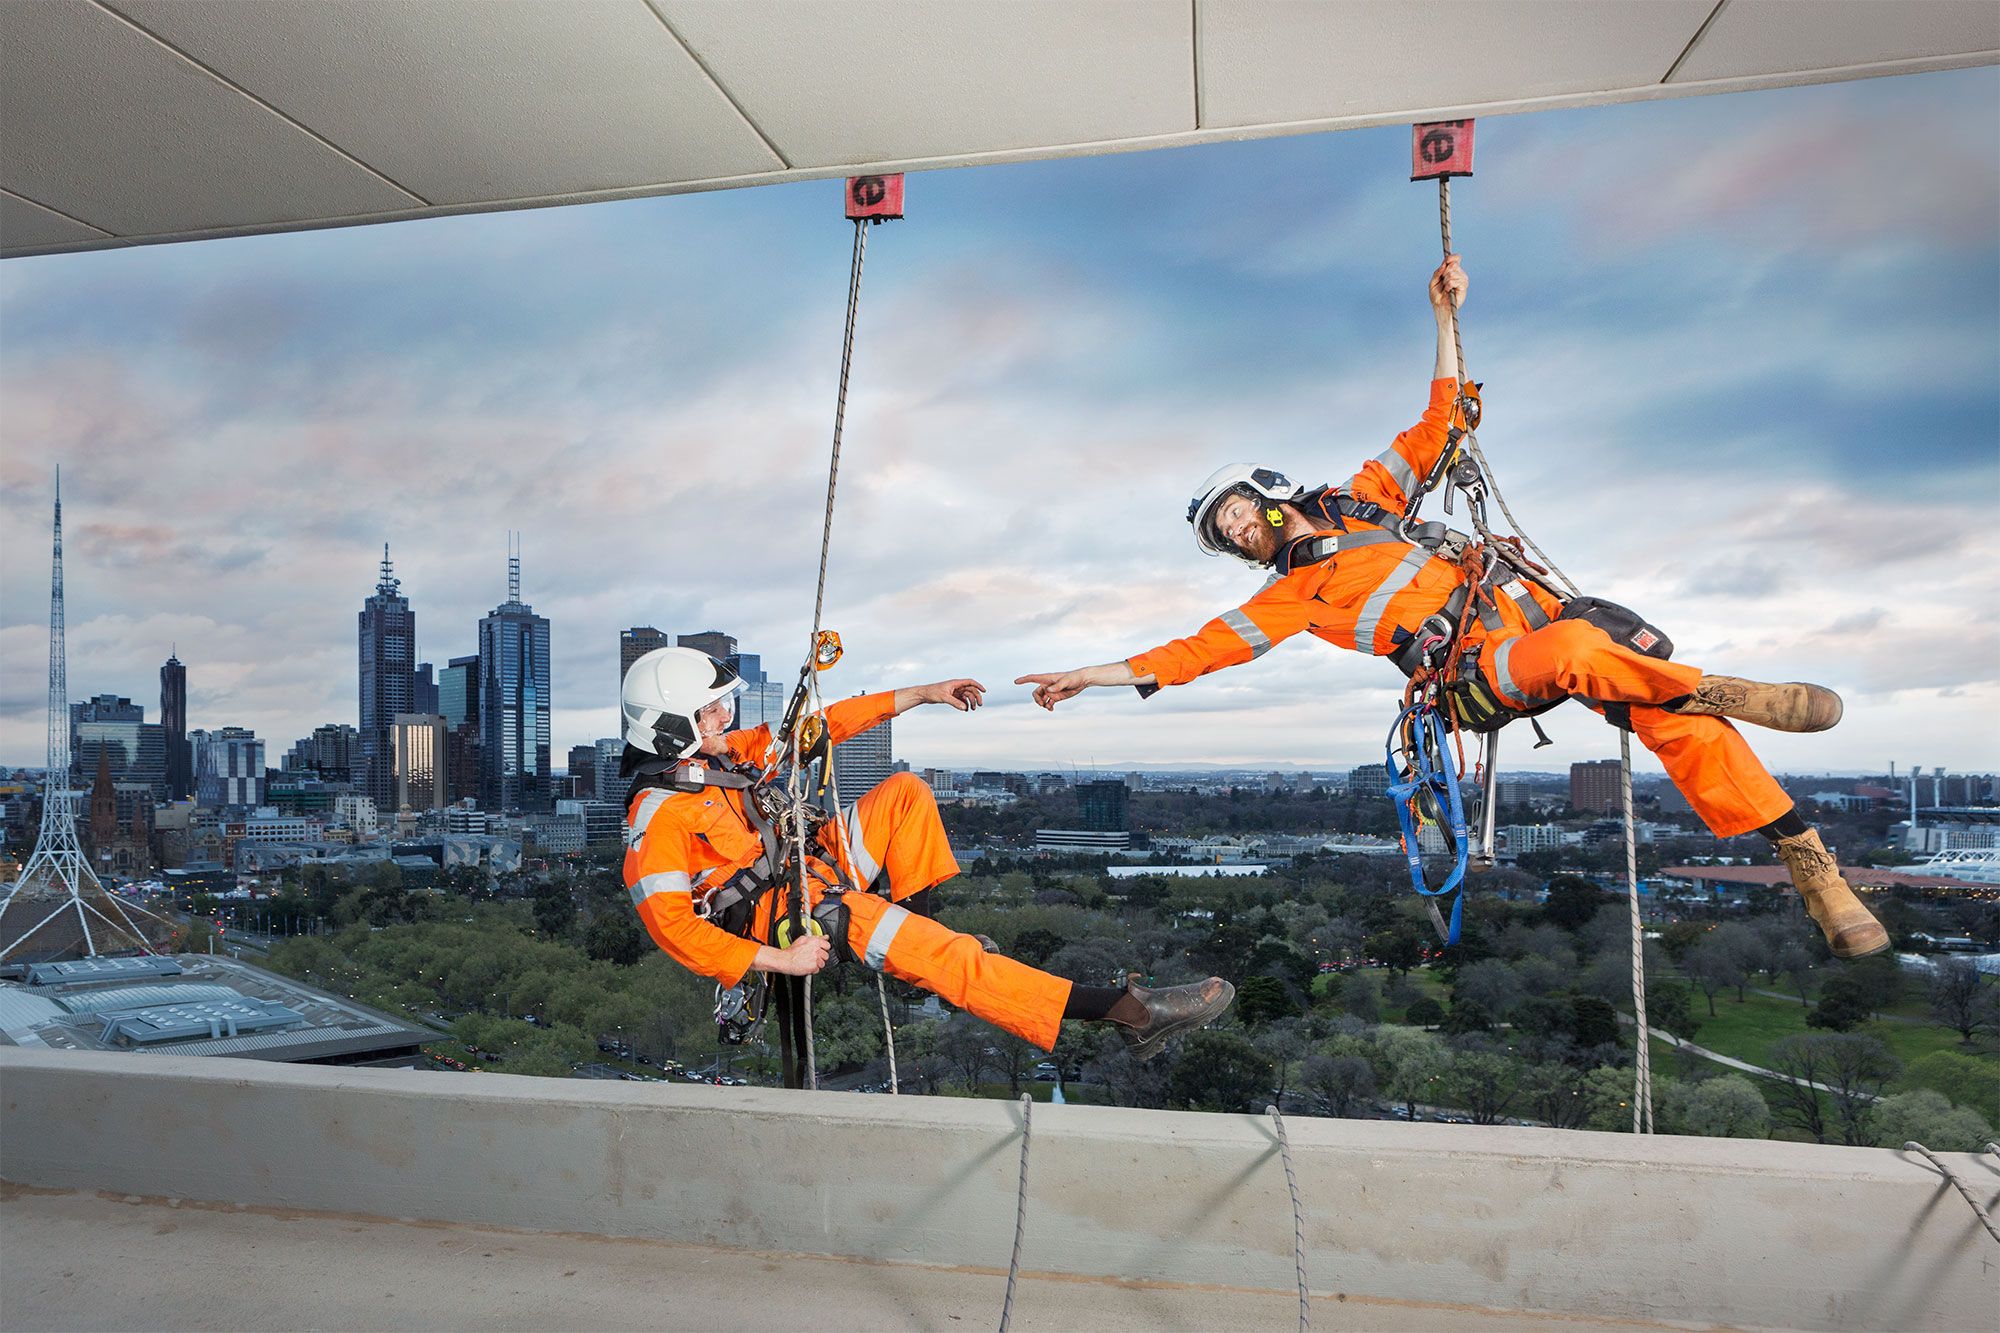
(884, 934)
(1504, 677)
(1399, 468)
(1378, 601)
(665, 881)
(649, 805)
(864, 865)
(1246, 629)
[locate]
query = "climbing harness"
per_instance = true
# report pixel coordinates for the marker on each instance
(1440, 151)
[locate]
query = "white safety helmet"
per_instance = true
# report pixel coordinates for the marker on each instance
(662, 693)
(1259, 483)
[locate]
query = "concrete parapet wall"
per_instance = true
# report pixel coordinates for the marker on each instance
(1605, 1225)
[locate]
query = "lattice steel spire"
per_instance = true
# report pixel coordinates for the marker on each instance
(47, 912)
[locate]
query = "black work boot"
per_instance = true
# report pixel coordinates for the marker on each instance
(1172, 1010)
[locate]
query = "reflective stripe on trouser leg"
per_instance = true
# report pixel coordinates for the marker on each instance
(864, 864)
(1714, 767)
(875, 952)
(1577, 658)
(1006, 993)
(895, 828)
(1502, 676)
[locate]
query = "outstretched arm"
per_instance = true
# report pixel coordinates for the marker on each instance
(1052, 687)
(1275, 614)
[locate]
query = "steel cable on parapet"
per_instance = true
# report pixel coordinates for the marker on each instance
(1985, 1219)
(1298, 1219)
(1020, 1213)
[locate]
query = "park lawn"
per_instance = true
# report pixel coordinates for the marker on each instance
(1748, 1030)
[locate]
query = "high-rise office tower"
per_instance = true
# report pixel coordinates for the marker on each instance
(583, 772)
(514, 703)
(331, 753)
(424, 690)
(862, 761)
(458, 704)
(420, 761)
(1101, 806)
(228, 767)
(1595, 785)
(173, 727)
(720, 646)
(116, 728)
(388, 635)
(635, 643)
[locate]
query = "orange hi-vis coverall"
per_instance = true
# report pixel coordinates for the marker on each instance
(681, 846)
(1376, 590)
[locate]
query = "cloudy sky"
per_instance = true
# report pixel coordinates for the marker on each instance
(1742, 358)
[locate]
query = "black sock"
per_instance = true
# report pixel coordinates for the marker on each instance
(1788, 825)
(1092, 1002)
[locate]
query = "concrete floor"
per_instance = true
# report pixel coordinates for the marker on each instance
(85, 1261)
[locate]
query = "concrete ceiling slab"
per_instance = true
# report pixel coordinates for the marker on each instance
(25, 222)
(136, 121)
(903, 79)
(460, 101)
(108, 126)
(1276, 61)
(1752, 37)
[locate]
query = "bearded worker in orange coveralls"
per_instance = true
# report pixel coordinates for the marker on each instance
(710, 878)
(1347, 565)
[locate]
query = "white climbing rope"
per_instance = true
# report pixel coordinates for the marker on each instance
(1298, 1219)
(1985, 1220)
(1020, 1213)
(1642, 1090)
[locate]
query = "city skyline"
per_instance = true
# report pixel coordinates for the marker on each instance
(1775, 456)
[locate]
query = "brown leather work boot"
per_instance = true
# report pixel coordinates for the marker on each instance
(1172, 1010)
(1851, 929)
(1792, 707)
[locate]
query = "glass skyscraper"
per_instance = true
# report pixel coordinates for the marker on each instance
(458, 704)
(388, 637)
(514, 704)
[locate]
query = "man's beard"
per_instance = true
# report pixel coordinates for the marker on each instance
(1260, 544)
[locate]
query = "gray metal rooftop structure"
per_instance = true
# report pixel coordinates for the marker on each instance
(133, 121)
(209, 1006)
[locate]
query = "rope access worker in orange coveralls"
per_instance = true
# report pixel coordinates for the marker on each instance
(708, 872)
(1347, 566)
